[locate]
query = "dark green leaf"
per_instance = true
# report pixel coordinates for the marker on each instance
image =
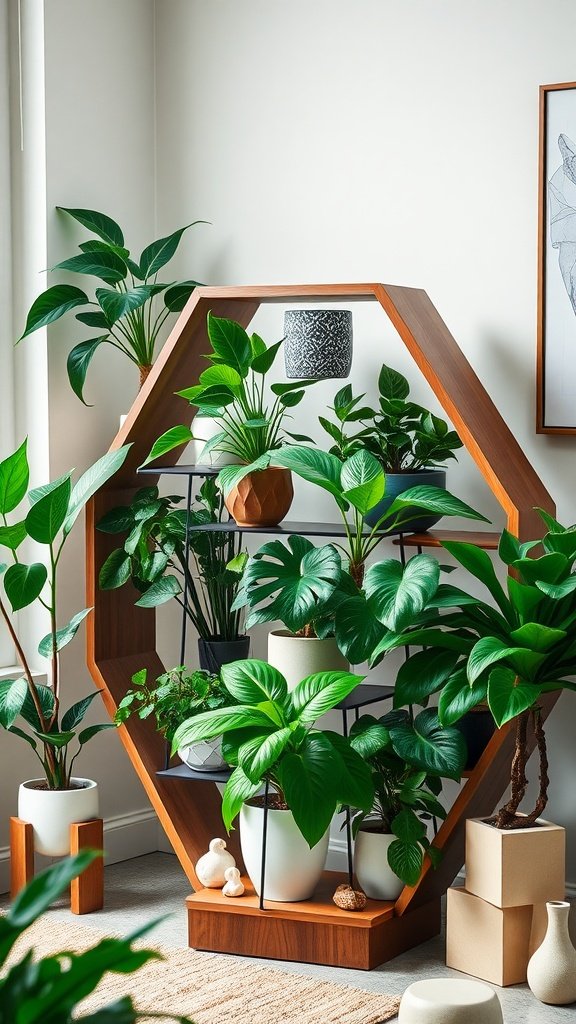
(79, 360)
(106, 265)
(396, 593)
(46, 517)
(230, 343)
(76, 712)
(320, 692)
(508, 696)
(425, 744)
(362, 481)
(12, 696)
(358, 631)
(93, 318)
(158, 253)
(24, 583)
(458, 697)
(92, 480)
(392, 384)
(423, 674)
(262, 362)
(309, 782)
(93, 730)
(51, 305)
(253, 681)
(161, 591)
(115, 304)
(479, 564)
(116, 570)
(176, 297)
(406, 859)
(106, 228)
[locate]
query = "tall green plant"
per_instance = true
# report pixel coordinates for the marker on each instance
(54, 509)
(130, 311)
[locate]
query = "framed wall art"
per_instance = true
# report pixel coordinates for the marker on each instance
(556, 362)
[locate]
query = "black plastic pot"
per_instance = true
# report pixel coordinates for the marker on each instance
(396, 483)
(215, 653)
(477, 728)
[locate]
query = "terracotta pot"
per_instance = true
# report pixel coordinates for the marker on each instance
(262, 498)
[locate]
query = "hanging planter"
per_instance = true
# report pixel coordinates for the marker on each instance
(318, 343)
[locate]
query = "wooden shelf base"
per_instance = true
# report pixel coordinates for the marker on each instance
(315, 931)
(87, 890)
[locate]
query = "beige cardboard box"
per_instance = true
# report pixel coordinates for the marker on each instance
(515, 867)
(486, 941)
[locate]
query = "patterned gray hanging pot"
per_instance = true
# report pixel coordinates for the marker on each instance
(318, 343)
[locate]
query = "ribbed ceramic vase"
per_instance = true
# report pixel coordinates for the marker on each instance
(552, 968)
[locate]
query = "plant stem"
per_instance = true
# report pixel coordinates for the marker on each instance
(507, 816)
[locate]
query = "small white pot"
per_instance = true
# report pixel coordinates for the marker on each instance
(205, 756)
(204, 429)
(293, 870)
(373, 872)
(299, 656)
(51, 812)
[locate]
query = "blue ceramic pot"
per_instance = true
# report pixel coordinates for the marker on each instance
(396, 483)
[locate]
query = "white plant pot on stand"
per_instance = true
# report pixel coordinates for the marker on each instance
(373, 871)
(205, 756)
(299, 656)
(292, 869)
(51, 812)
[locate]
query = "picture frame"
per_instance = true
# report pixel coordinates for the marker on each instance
(556, 352)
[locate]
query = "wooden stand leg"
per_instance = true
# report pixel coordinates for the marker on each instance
(21, 854)
(87, 891)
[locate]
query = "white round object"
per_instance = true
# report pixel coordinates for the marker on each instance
(373, 871)
(234, 886)
(205, 756)
(52, 811)
(204, 429)
(211, 868)
(449, 1001)
(552, 968)
(293, 870)
(299, 656)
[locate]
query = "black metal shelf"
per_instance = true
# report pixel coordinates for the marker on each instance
(283, 529)
(182, 771)
(180, 470)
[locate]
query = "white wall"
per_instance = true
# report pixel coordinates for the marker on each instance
(378, 140)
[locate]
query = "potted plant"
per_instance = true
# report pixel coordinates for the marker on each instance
(50, 803)
(407, 759)
(257, 492)
(270, 741)
(154, 558)
(175, 697)
(126, 310)
(410, 443)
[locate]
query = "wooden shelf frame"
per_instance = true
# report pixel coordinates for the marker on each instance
(121, 637)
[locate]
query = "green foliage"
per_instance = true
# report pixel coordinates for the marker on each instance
(176, 696)
(153, 557)
(54, 508)
(269, 735)
(129, 311)
(48, 990)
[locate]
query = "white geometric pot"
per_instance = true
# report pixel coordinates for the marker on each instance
(299, 656)
(293, 870)
(552, 968)
(204, 429)
(51, 812)
(205, 756)
(373, 871)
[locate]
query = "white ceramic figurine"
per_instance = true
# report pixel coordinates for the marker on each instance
(233, 887)
(211, 868)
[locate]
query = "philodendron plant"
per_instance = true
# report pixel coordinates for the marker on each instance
(174, 697)
(269, 736)
(131, 306)
(53, 510)
(508, 653)
(407, 760)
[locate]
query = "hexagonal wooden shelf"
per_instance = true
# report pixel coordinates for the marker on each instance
(121, 637)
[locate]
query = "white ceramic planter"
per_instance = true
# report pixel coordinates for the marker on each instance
(293, 870)
(205, 756)
(298, 656)
(51, 812)
(373, 872)
(204, 429)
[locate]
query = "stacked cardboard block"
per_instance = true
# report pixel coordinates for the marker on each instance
(497, 920)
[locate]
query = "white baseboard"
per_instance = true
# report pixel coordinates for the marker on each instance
(125, 836)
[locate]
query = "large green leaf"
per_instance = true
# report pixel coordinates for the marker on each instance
(424, 638)
(260, 753)
(12, 536)
(490, 650)
(158, 253)
(458, 697)
(558, 590)
(45, 697)
(173, 438)
(45, 887)
(549, 568)
(76, 712)
(262, 360)
(176, 297)
(160, 592)
(423, 674)
(238, 790)
(116, 570)
(253, 681)
(309, 781)
(314, 465)
(24, 583)
(220, 373)
(79, 360)
(406, 860)
(432, 499)
(355, 787)
(479, 564)
(368, 736)
(508, 696)
(362, 481)
(230, 476)
(537, 636)
(425, 744)
(392, 384)
(12, 696)
(357, 629)
(51, 305)
(397, 593)
(106, 228)
(320, 692)
(116, 304)
(14, 475)
(230, 343)
(63, 636)
(108, 266)
(91, 481)
(94, 730)
(408, 827)
(208, 397)
(46, 517)
(215, 723)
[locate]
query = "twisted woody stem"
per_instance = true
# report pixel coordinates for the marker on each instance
(508, 817)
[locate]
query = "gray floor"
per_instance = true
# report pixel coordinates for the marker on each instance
(148, 887)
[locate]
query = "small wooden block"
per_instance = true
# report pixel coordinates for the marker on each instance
(87, 891)
(21, 855)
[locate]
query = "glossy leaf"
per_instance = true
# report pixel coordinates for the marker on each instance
(259, 754)
(252, 681)
(116, 570)
(79, 360)
(368, 736)
(158, 253)
(398, 593)
(63, 636)
(354, 786)
(167, 442)
(421, 675)
(46, 517)
(479, 564)
(51, 305)
(93, 730)
(91, 481)
(238, 790)
(508, 696)
(116, 304)
(12, 536)
(24, 583)
(406, 860)
(489, 651)
(309, 783)
(263, 361)
(107, 266)
(426, 744)
(160, 592)
(458, 697)
(230, 476)
(106, 228)
(12, 696)
(537, 636)
(176, 297)
(215, 723)
(320, 692)
(312, 464)
(392, 384)
(14, 476)
(358, 631)
(362, 481)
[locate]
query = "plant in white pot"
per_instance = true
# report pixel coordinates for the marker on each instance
(175, 697)
(270, 741)
(50, 803)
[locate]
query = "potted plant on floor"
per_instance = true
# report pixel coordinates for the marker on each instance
(270, 741)
(407, 759)
(53, 802)
(154, 558)
(131, 307)
(257, 492)
(175, 697)
(411, 444)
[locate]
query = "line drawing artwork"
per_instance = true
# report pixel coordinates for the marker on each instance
(562, 196)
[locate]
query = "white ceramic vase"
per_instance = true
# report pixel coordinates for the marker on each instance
(52, 811)
(205, 756)
(374, 874)
(299, 656)
(293, 870)
(552, 968)
(204, 429)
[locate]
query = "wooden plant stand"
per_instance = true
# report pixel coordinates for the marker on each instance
(87, 890)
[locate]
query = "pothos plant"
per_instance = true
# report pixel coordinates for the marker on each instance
(53, 510)
(128, 310)
(174, 697)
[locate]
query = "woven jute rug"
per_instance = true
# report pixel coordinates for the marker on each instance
(215, 989)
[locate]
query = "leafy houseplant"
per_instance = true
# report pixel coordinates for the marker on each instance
(126, 312)
(48, 990)
(153, 558)
(253, 426)
(54, 508)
